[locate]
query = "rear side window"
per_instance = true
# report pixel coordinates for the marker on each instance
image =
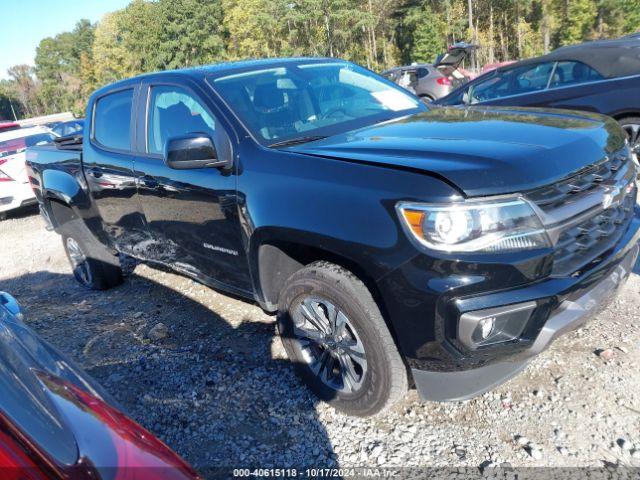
(573, 73)
(112, 120)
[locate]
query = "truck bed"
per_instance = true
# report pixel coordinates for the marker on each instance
(52, 161)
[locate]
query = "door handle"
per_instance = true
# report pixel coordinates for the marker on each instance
(95, 173)
(149, 182)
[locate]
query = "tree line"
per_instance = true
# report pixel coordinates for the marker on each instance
(150, 35)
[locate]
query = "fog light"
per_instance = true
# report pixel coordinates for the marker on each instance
(494, 325)
(486, 326)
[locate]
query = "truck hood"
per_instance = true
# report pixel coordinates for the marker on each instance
(480, 150)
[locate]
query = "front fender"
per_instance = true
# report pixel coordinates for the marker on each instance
(343, 209)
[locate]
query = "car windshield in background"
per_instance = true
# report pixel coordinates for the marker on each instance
(17, 145)
(312, 100)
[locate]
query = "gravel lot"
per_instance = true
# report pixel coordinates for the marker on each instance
(219, 390)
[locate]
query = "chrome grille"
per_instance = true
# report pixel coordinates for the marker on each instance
(581, 182)
(583, 246)
(587, 213)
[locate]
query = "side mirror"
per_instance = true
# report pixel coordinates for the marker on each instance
(191, 152)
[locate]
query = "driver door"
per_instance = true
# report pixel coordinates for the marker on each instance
(192, 214)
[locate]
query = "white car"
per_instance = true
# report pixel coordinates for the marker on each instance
(15, 190)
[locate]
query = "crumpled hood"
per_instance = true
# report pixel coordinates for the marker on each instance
(482, 151)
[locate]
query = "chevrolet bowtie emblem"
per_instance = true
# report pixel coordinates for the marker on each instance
(613, 196)
(607, 200)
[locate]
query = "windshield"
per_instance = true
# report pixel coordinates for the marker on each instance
(312, 100)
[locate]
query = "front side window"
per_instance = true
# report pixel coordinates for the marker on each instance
(495, 87)
(317, 99)
(532, 79)
(525, 79)
(112, 120)
(173, 112)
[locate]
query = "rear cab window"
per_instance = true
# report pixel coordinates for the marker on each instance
(112, 120)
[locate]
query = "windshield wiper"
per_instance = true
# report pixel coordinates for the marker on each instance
(297, 141)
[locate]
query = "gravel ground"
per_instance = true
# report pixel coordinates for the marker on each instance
(204, 372)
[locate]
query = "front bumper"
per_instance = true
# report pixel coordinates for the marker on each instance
(572, 313)
(426, 297)
(15, 195)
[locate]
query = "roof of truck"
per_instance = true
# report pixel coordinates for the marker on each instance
(220, 69)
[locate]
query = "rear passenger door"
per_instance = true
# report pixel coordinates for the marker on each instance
(192, 215)
(108, 168)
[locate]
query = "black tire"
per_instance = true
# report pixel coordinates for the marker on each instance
(3, 216)
(631, 126)
(97, 268)
(427, 99)
(382, 379)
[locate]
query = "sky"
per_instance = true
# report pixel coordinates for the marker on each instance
(24, 23)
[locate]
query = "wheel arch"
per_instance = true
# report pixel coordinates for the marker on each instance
(277, 260)
(274, 259)
(626, 114)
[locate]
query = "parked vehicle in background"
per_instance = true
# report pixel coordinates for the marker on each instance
(492, 66)
(47, 120)
(391, 238)
(432, 81)
(15, 191)
(6, 126)
(64, 129)
(57, 423)
(601, 76)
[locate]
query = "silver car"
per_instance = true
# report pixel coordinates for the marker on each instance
(433, 81)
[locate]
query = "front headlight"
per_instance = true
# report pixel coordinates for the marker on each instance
(474, 226)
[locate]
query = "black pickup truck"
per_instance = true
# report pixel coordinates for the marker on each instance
(399, 244)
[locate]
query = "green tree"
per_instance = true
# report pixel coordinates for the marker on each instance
(630, 17)
(422, 34)
(190, 33)
(578, 21)
(24, 87)
(58, 67)
(111, 59)
(10, 108)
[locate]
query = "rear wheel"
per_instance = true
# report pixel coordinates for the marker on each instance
(631, 126)
(93, 265)
(333, 331)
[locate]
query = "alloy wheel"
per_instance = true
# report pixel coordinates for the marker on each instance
(633, 134)
(78, 261)
(328, 342)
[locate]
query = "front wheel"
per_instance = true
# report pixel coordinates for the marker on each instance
(631, 126)
(333, 331)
